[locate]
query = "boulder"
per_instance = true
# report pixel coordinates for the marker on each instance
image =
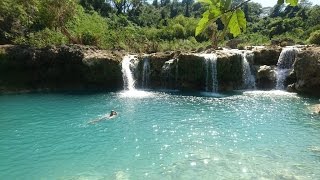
(266, 55)
(307, 71)
(266, 77)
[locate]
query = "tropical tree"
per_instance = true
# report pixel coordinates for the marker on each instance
(229, 14)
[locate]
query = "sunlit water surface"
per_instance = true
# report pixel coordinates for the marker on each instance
(159, 135)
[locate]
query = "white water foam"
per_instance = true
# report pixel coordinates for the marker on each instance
(170, 78)
(146, 73)
(249, 81)
(284, 65)
(135, 94)
(211, 66)
(128, 80)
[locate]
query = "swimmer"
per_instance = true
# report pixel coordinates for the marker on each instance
(112, 114)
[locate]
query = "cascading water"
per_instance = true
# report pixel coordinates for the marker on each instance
(128, 80)
(284, 65)
(249, 81)
(169, 73)
(146, 73)
(211, 72)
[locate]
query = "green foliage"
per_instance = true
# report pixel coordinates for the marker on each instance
(232, 18)
(237, 23)
(178, 31)
(254, 39)
(138, 26)
(87, 28)
(42, 38)
(56, 13)
(315, 37)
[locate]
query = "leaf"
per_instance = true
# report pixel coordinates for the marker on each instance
(225, 18)
(203, 22)
(292, 2)
(212, 13)
(237, 23)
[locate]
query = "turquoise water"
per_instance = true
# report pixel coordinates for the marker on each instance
(158, 135)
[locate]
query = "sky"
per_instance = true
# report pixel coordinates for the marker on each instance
(271, 3)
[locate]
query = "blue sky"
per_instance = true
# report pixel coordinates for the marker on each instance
(270, 3)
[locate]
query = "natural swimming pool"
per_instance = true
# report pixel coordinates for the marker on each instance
(159, 135)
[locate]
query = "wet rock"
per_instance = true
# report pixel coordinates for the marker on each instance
(191, 72)
(156, 60)
(291, 88)
(266, 77)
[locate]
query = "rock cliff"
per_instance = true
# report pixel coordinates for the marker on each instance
(82, 67)
(65, 67)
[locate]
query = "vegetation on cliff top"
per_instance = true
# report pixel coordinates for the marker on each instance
(141, 26)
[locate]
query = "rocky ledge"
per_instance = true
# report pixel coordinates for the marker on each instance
(82, 67)
(67, 67)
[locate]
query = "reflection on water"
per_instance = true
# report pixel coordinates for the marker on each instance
(135, 94)
(159, 135)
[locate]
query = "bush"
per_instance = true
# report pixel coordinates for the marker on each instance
(90, 29)
(42, 38)
(179, 31)
(254, 39)
(315, 37)
(88, 38)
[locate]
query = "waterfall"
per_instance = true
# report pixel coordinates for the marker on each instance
(284, 65)
(146, 73)
(211, 72)
(249, 81)
(128, 80)
(169, 73)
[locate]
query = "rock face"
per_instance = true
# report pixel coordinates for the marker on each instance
(188, 71)
(66, 67)
(156, 60)
(307, 71)
(82, 67)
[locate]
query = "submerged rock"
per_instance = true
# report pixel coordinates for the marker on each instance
(315, 109)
